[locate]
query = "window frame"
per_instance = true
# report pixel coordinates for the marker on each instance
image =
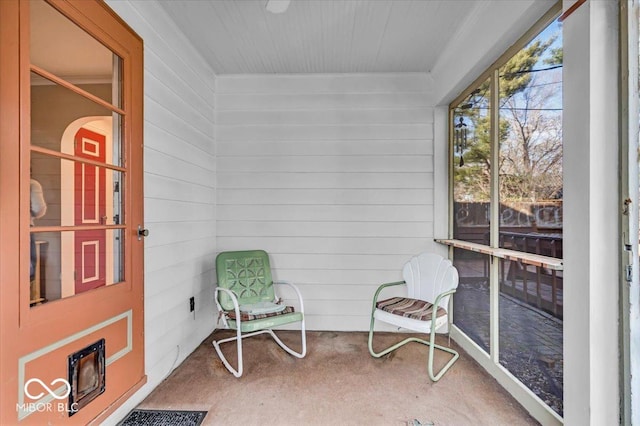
(492, 74)
(490, 361)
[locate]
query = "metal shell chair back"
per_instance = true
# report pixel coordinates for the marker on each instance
(247, 274)
(429, 275)
(430, 281)
(247, 302)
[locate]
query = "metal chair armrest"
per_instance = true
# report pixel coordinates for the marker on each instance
(382, 287)
(234, 299)
(436, 303)
(295, 288)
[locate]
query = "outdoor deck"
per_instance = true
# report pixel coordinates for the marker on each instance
(530, 338)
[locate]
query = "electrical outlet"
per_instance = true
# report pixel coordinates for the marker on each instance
(192, 304)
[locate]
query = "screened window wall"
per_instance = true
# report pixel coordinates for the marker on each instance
(506, 165)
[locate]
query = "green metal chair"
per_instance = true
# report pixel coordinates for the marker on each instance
(430, 281)
(247, 302)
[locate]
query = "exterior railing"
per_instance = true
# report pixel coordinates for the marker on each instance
(525, 227)
(535, 285)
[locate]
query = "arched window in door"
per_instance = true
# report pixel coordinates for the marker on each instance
(79, 252)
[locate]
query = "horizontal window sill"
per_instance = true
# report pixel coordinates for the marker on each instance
(507, 254)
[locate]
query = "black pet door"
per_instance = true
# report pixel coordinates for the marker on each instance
(86, 375)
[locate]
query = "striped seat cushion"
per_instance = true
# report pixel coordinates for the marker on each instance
(244, 316)
(409, 308)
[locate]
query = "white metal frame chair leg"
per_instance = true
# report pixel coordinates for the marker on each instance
(239, 336)
(430, 343)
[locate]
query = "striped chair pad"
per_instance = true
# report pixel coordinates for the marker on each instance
(409, 308)
(244, 316)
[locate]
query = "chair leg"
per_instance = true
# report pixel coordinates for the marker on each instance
(238, 339)
(431, 344)
(280, 343)
(390, 348)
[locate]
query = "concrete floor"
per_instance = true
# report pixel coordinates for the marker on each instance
(337, 383)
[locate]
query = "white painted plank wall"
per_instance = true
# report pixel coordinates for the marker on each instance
(333, 176)
(179, 199)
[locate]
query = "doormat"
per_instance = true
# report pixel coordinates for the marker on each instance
(163, 418)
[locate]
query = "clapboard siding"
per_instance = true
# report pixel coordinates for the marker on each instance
(322, 84)
(328, 245)
(324, 147)
(179, 105)
(343, 179)
(338, 322)
(333, 176)
(318, 212)
(325, 196)
(326, 164)
(325, 263)
(331, 132)
(173, 232)
(178, 168)
(177, 145)
(155, 65)
(258, 101)
(327, 281)
(343, 292)
(179, 186)
(335, 117)
(166, 276)
(325, 229)
(170, 188)
(174, 125)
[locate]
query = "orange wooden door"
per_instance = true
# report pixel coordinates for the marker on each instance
(90, 209)
(39, 101)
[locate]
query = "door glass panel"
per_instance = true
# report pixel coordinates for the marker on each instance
(57, 113)
(81, 189)
(68, 263)
(77, 193)
(530, 190)
(62, 48)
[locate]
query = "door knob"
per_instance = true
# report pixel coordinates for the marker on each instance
(142, 232)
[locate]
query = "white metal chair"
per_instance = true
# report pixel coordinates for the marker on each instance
(430, 281)
(247, 302)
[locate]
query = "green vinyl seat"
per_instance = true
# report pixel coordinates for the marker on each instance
(247, 302)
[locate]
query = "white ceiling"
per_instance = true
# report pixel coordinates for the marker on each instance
(323, 36)
(451, 38)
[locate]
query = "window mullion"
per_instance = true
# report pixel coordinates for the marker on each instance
(494, 215)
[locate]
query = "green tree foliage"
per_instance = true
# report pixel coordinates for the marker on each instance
(516, 74)
(555, 58)
(531, 142)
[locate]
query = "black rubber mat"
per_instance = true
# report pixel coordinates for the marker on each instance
(163, 418)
